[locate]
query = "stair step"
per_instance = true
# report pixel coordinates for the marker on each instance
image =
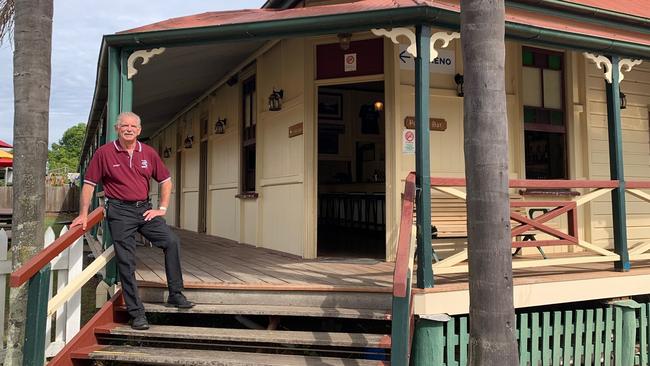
(307, 311)
(188, 357)
(330, 339)
(333, 298)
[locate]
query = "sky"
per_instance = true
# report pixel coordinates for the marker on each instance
(76, 37)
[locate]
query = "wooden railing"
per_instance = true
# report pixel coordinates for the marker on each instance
(402, 310)
(635, 188)
(522, 223)
(37, 272)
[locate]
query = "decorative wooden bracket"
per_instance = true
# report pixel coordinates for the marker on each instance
(145, 55)
(601, 60)
(445, 37)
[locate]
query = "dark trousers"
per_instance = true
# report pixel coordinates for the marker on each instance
(124, 220)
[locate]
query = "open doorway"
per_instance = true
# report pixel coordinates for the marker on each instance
(351, 171)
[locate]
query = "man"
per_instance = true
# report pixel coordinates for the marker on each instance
(125, 167)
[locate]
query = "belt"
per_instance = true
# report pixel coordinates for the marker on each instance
(129, 203)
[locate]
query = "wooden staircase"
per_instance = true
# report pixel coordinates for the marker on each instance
(305, 328)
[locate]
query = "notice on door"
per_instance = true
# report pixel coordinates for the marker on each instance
(408, 141)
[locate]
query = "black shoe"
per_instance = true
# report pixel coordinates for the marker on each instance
(179, 300)
(140, 323)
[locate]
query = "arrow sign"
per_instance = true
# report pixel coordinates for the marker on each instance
(403, 56)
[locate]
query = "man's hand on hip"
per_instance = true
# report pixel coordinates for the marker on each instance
(151, 214)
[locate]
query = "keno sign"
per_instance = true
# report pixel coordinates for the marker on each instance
(445, 63)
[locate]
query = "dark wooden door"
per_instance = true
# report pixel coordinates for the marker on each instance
(203, 187)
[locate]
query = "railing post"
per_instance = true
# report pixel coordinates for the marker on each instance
(422, 158)
(37, 298)
(429, 341)
(616, 167)
(627, 343)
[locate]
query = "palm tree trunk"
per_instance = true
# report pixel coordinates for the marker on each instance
(492, 317)
(32, 61)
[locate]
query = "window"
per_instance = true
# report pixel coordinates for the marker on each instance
(248, 135)
(544, 114)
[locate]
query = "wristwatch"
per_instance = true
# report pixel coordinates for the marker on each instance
(162, 208)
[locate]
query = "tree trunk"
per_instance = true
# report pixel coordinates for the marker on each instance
(492, 316)
(32, 61)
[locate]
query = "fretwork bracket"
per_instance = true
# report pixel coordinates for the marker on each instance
(625, 64)
(393, 34)
(145, 55)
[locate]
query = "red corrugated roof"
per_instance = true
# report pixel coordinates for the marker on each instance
(639, 8)
(513, 15)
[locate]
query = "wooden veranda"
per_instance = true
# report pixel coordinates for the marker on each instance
(211, 263)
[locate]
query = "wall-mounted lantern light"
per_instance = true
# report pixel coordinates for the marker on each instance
(275, 100)
(459, 80)
(220, 126)
(623, 100)
(189, 140)
(167, 152)
(344, 40)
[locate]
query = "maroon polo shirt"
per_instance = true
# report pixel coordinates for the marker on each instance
(126, 177)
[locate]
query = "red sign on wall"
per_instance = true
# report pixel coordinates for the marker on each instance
(364, 57)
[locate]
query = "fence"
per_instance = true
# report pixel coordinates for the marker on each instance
(65, 267)
(617, 334)
(57, 199)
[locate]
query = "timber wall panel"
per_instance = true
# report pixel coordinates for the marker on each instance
(636, 150)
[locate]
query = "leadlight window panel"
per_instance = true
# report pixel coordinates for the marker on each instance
(552, 89)
(544, 116)
(532, 93)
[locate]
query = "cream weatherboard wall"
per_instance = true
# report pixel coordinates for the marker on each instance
(636, 150)
(223, 166)
(280, 157)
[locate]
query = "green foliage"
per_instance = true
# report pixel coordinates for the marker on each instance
(65, 155)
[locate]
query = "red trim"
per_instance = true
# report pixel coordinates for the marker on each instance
(537, 223)
(29, 269)
(538, 183)
(637, 184)
(539, 243)
(85, 341)
(404, 241)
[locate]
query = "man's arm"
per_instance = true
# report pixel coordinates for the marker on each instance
(165, 193)
(84, 205)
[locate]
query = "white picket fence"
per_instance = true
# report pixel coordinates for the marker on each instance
(67, 265)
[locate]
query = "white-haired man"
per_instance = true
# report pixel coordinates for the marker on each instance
(125, 167)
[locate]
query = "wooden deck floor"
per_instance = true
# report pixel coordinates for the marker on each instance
(213, 263)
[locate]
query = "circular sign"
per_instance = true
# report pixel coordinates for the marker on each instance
(409, 136)
(350, 59)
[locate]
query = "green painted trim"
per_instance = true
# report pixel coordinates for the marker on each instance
(361, 21)
(429, 343)
(628, 331)
(295, 27)
(616, 167)
(113, 92)
(35, 324)
(422, 159)
(401, 327)
(126, 84)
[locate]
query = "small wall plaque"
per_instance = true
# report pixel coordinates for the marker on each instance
(295, 130)
(435, 124)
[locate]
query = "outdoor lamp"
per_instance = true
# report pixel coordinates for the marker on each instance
(458, 78)
(623, 100)
(344, 40)
(275, 100)
(167, 152)
(189, 140)
(220, 126)
(378, 105)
